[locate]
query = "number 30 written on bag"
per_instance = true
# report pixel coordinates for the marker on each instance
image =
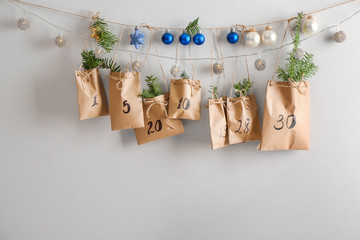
(290, 122)
(158, 127)
(184, 104)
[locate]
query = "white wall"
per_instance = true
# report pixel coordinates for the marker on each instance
(61, 178)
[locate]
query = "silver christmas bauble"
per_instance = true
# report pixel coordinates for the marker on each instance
(23, 24)
(100, 52)
(268, 37)
(137, 66)
(299, 53)
(260, 64)
(60, 41)
(176, 71)
(310, 26)
(218, 68)
(340, 37)
(252, 38)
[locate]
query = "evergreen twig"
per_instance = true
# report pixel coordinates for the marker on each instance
(214, 91)
(243, 87)
(89, 60)
(105, 38)
(193, 27)
(154, 88)
(184, 75)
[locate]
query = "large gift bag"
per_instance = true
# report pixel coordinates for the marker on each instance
(218, 123)
(286, 124)
(185, 99)
(243, 119)
(92, 99)
(157, 123)
(126, 108)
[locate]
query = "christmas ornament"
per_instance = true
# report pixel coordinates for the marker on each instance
(218, 67)
(60, 41)
(176, 70)
(252, 38)
(260, 64)
(137, 38)
(93, 34)
(299, 53)
(199, 38)
(184, 38)
(310, 26)
(101, 33)
(232, 36)
(24, 23)
(339, 36)
(100, 52)
(268, 37)
(167, 38)
(137, 66)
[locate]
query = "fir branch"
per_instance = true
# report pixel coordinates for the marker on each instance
(297, 69)
(89, 60)
(214, 91)
(106, 39)
(110, 64)
(193, 27)
(154, 88)
(243, 87)
(184, 75)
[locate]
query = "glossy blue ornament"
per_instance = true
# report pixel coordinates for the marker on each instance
(137, 38)
(199, 38)
(232, 37)
(167, 38)
(185, 38)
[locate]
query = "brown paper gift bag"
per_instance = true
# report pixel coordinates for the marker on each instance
(185, 99)
(126, 108)
(92, 99)
(218, 123)
(157, 123)
(243, 119)
(286, 123)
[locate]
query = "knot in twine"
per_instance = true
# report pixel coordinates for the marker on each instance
(222, 102)
(244, 101)
(297, 86)
(95, 16)
(192, 83)
(163, 104)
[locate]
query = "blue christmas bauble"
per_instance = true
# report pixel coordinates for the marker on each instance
(232, 37)
(167, 38)
(199, 39)
(185, 39)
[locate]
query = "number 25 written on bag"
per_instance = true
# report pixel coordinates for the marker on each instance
(290, 122)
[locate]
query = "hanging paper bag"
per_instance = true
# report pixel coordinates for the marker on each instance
(185, 99)
(218, 123)
(157, 123)
(243, 119)
(286, 124)
(126, 109)
(92, 99)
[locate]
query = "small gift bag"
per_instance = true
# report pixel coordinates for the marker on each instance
(157, 123)
(218, 123)
(92, 99)
(286, 124)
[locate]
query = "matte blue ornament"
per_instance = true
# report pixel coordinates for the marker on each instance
(232, 37)
(185, 38)
(167, 38)
(199, 38)
(137, 38)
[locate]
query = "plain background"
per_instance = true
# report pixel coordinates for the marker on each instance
(61, 178)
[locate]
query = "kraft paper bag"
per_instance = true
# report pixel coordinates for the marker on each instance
(157, 123)
(243, 119)
(126, 108)
(218, 123)
(286, 123)
(92, 99)
(185, 99)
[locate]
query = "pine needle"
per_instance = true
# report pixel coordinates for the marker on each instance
(106, 39)
(193, 27)
(154, 88)
(243, 87)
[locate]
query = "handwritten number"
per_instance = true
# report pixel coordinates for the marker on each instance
(238, 131)
(222, 130)
(289, 124)
(95, 103)
(184, 104)
(282, 123)
(127, 105)
(158, 126)
(293, 122)
(247, 122)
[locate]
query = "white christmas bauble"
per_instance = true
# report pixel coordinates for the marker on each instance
(176, 71)
(137, 66)
(310, 26)
(252, 38)
(23, 24)
(60, 41)
(268, 37)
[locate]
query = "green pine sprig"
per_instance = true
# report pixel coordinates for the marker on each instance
(214, 91)
(193, 27)
(184, 75)
(243, 87)
(89, 60)
(106, 39)
(154, 88)
(110, 64)
(297, 69)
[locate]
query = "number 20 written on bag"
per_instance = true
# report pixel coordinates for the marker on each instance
(290, 122)
(157, 127)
